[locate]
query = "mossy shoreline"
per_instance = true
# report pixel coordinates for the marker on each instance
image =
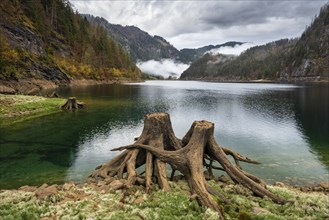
(101, 200)
(18, 108)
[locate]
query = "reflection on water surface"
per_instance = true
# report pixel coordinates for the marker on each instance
(285, 127)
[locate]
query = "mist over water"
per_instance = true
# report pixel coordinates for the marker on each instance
(164, 67)
(271, 123)
(236, 50)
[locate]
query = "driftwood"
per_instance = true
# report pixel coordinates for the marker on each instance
(72, 103)
(52, 95)
(197, 151)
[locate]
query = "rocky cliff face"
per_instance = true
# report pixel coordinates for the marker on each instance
(22, 48)
(29, 55)
(47, 40)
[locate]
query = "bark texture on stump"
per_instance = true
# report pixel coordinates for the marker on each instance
(158, 145)
(72, 103)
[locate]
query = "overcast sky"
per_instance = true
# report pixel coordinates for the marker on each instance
(191, 24)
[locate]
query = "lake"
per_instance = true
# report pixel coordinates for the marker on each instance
(283, 126)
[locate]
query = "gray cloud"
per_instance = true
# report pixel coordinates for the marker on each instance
(199, 23)
(257, 12)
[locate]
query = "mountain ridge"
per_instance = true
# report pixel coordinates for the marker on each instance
(138, 43)
(195, 53)
(302, 59)
(143, 47)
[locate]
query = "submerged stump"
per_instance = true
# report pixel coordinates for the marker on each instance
(72, 103)
(196, 152)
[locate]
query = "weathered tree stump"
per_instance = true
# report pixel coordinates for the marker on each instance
(72, 103)
(158, 145)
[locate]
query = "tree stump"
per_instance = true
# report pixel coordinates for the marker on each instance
(158, 145)
(72, 103)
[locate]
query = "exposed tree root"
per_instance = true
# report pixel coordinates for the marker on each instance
(198, 149)
(72, 103)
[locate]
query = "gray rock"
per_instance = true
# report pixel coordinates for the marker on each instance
(116, 184)
(28, 188)
(280, 184)
(259, 211)
(324, 185)
(223, 179)
(68, 186)
(44, 192)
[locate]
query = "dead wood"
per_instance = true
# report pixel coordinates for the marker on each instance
(52, 95)
(197, 151)
(72, 103)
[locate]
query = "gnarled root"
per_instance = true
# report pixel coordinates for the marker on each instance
(158, 145)
(72, 103)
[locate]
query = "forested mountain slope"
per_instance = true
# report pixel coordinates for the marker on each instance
(255, 63)
(47, 40)
(139, 44)
(302, 59)
(194, 54)
(309, 59)
(142, 46)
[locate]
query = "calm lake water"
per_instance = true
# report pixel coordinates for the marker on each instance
(285, 127)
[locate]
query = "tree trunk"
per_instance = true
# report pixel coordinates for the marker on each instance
(158, 145)
(72, 103)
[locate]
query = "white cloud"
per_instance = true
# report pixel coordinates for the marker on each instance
(164, 67)
(237, 50)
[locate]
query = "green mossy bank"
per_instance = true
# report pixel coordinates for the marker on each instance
(17, 108)
(99, 201)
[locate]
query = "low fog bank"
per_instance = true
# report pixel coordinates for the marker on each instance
(237, 50)
(164, 67)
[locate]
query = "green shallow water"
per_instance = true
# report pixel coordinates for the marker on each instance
(285, 127)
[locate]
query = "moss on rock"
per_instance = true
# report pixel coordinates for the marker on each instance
(89, 201)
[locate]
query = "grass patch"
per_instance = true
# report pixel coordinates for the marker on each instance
(17, 108)
(244, 205)
(89, 202)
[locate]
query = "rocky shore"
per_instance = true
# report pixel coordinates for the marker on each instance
(110, 199)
